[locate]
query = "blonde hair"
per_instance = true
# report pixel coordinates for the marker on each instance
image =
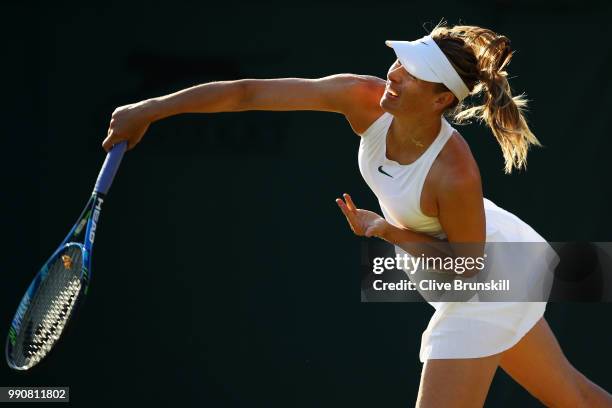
(480, 57)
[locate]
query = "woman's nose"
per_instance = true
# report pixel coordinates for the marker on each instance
(393, 75)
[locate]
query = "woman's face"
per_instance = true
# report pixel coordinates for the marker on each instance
(406, 94)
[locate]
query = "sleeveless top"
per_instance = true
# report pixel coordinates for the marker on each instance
(398, 186)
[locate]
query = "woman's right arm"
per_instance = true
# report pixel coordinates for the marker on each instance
(355, 96)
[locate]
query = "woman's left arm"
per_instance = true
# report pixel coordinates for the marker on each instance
(461, 206)
(369, 224)
(461, 215)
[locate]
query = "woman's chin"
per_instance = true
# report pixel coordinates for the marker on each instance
(387, 104)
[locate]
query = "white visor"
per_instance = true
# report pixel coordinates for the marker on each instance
(423, 59)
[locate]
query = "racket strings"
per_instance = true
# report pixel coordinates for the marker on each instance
(50, 308)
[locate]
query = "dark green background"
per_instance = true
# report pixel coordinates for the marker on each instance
(224, 274)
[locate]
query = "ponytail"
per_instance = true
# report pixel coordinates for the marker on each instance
(480, 57)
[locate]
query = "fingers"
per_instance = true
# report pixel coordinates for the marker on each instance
(347, 207)
(343, 207)
(349, 202)
(110, 141)
(107, 144)
(347, 214)
(351, 216)
(112, 138)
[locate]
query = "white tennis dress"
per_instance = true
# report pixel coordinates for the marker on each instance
(456, 329)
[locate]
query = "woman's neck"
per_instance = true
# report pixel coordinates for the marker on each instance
(414, 132)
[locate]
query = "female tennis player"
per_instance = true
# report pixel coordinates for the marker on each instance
(429, 188)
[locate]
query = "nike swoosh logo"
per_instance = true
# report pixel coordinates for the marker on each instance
(380, 169)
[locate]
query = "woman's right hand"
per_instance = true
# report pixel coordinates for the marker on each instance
(128, 122)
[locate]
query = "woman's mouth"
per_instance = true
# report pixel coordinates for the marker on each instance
(391, 93)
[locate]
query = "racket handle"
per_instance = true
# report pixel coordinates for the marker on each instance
(109, 168)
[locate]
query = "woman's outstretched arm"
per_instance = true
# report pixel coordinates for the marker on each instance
(349, 94)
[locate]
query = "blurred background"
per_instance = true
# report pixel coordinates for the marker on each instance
(224, 274)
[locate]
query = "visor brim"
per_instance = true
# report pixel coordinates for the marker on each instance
(411, 56)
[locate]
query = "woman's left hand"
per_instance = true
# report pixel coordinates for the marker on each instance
(363, 222)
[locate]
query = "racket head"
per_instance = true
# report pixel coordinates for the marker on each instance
(47, 306)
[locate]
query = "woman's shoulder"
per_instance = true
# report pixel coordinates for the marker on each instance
(366, 108)
(456, 163)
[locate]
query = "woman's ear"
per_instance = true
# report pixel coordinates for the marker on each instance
(443, 100)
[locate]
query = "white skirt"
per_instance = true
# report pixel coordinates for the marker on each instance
(471, 330)
(480, 329)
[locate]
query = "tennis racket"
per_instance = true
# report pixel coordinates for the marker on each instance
(50, 299)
